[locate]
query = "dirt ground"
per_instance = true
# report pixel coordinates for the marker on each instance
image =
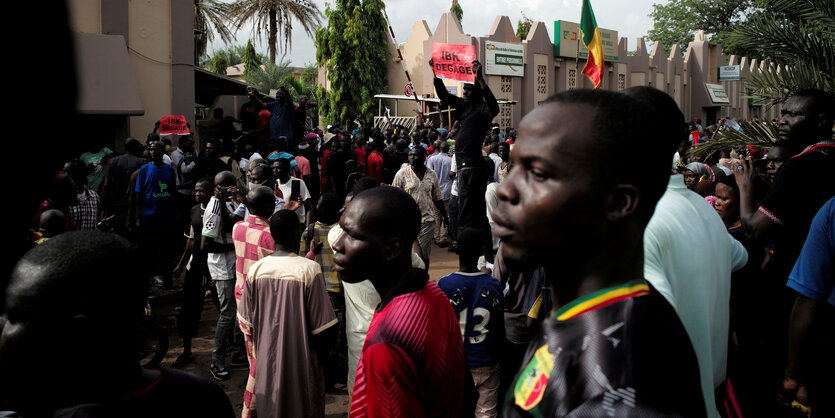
(165, 308)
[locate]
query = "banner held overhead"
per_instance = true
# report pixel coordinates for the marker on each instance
(454, 62)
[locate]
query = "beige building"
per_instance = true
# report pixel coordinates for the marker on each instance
(693, 81)
(135, 65)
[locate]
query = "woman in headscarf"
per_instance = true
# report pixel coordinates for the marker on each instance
(727, 205)
(699, 178)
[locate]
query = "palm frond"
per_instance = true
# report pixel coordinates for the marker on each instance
(759, 135)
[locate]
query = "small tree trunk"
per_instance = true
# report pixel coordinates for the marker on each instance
(273, 35)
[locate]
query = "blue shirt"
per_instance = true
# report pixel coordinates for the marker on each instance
(477, 301)
(157, 184)
(812, 274)
(281, 121)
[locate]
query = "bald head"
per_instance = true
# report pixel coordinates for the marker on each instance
(261, 201)
(391, 211)
(225, 179)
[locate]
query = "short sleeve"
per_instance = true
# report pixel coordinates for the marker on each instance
(399, 181)
(654, 261)
(139, 180)
(436, 187)
(247, 304)
(812, 274)
(211, 219)
(739, 255)
(320, 315)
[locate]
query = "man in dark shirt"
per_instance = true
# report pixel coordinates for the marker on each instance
(475, 111)
(114, 191)
(784, 217)
(613, 345)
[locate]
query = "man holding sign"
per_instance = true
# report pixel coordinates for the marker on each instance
(474, 112)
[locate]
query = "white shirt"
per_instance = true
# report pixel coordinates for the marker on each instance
(689, 256)
(221, 265)
(286, 190)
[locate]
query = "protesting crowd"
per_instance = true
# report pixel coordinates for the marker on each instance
(605, 269)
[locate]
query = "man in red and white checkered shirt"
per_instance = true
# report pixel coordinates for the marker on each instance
(253, 242)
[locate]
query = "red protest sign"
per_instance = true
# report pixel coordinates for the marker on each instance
(454, 62)
(173, 125)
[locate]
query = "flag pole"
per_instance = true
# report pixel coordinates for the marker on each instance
(403, 64)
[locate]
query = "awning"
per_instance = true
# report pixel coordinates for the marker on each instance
(106, 83)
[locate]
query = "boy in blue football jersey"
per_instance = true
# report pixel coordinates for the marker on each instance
(477, 299)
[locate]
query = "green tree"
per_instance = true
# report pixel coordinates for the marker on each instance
(225, 57)
(209, 17)
(269, 75)
(353, 48)
(252, 59)
(523, 27)
(457, 11)
(798, 36)
(267, 16)
(677, 21)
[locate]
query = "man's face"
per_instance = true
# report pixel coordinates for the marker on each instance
(796, 122)
(468, 90)
(202, 193)
(416, 157)
(548, 204)
(774, 160)
(726, 203)
(157, 150)
(211, 150)
(258, 175)
(280, 169)
(504, 152)
(361, 248)
(146, 157)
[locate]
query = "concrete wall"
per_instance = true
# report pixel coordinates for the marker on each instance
(160, 41)
(546, 74)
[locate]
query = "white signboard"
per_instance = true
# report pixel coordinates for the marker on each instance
(504, 59)
(717, 93)
(728, 73)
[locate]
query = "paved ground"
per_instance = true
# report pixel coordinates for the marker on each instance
(165, 308)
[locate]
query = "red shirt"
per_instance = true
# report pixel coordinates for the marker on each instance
(264, 121)
(375, 166)
(361, 159)
(412, 363)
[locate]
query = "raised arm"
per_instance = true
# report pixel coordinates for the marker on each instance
(489, 98)
(441, 91)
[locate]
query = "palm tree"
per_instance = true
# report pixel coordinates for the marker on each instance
(268, 15)
(209, 17)
(799, 36)
(269, 75)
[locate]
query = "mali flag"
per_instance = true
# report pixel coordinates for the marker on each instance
(591, 38)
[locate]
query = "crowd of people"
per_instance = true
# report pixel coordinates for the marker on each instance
(604, 269)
